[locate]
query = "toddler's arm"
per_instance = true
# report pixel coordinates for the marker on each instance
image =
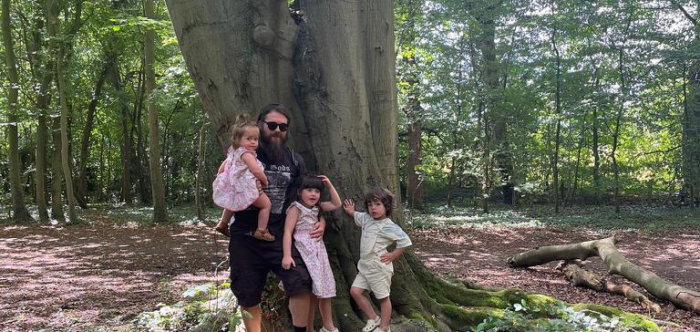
(335, 198)
(289, 224)
(258, 172)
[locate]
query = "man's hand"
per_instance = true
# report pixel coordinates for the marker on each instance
(288, 262)
(349, 207)
(317, 232)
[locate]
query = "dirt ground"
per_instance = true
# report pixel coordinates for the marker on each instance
(79, 277)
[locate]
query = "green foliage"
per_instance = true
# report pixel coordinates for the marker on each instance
(558, 317)
(202, 304)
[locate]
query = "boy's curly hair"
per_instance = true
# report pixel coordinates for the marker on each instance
(382, 195)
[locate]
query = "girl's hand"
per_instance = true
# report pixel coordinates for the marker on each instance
(264, 182)
(288, 262)
(326, 181)
(259, 186)
(349, 207)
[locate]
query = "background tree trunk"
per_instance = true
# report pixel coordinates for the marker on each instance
(199, 205)
(87, 131)
(56, 177)
(557, 138)
(19, 209)
(157, 190)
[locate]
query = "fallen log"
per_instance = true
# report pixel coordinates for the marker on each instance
(616, 264)
(584, 278)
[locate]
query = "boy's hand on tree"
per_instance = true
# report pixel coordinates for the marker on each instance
(288, 262)
(349, 207)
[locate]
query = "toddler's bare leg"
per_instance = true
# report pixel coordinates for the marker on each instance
(263, 202)
(222, 226)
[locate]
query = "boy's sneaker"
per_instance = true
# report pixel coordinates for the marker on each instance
(372, 324)
(379, 329)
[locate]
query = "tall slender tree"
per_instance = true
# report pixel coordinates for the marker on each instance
(19, 209)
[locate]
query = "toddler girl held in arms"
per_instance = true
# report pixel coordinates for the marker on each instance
(235, 187)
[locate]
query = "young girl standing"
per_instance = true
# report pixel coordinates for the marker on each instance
(302, 215)
(375, 267)
(235, 187)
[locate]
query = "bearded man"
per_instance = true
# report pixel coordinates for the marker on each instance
(252, 259)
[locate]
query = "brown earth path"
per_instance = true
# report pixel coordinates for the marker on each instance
(79, 277)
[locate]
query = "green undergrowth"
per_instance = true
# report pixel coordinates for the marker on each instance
(647, 218)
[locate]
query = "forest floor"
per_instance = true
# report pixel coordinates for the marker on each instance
(98, 275)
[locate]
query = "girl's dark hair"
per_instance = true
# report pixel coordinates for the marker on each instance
(382, 195)
(311, 181)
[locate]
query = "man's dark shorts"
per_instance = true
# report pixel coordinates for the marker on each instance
(251, 260)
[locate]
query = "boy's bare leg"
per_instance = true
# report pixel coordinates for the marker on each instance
(385, 305)
(252, 319)
(358, 294)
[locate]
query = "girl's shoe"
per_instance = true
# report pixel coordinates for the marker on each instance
(372, 324)
(323, 329)
(263, 234)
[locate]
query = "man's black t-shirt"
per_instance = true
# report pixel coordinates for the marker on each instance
(283, 179)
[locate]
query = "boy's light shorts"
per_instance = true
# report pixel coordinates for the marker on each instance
(378, 282)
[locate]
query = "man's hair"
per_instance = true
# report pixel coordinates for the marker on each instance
(382, 195)
(274, 107)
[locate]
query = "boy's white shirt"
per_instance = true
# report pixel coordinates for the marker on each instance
(377, 235)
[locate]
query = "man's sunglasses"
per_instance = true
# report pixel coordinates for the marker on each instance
(273, 125)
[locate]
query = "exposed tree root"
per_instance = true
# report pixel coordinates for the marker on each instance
(617, 264)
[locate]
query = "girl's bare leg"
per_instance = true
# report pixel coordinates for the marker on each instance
(222, 226)
(324, 306)
(263, 202)
(313, 302)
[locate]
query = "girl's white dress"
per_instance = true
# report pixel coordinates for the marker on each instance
(313, 252)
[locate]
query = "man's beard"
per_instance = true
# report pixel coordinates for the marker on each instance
(273, 151)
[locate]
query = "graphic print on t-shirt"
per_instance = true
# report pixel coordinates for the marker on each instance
(279, 178)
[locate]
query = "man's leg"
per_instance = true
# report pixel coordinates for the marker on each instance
(299, 307)
(252, 318)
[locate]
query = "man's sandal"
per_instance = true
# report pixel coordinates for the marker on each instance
(263, 234)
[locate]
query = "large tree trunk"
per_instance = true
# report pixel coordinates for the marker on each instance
(199, 205)
(157, 190)
(19, 209)
(335, 71)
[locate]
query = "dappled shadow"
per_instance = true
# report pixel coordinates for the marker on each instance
(66, 278)
(479, 255)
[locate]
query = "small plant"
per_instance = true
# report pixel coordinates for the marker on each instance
(523, 317)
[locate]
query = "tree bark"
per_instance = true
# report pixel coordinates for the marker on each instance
(557, 137)
(199, 206)
(87, 131)
(56, 177)
(19, 209)
(157, 190)
(616, 263)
